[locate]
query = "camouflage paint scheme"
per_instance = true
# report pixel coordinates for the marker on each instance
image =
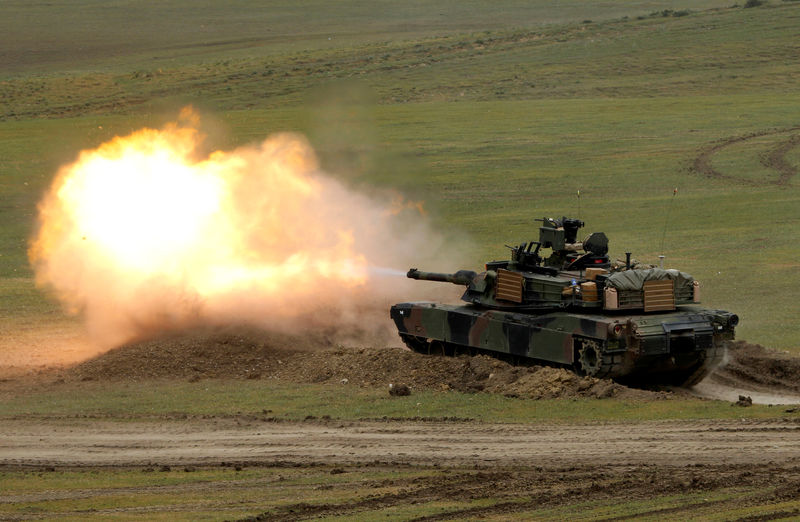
(574, 309)
(678, 346)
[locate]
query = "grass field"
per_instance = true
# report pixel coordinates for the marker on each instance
(493, 128)
(495, 114)
(129, 400)
(92, 34)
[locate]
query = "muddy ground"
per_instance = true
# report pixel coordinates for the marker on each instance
(519, 467)
(526, 466)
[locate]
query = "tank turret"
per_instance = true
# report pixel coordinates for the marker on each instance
(527, 281)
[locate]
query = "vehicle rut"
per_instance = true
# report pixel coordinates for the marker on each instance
(775, 159)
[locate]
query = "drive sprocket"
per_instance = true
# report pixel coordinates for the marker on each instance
(590, 357)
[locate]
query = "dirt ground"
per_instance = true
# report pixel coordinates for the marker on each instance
(767, 376)
(254, 439)
(534, 466)
(250, 354)
(529, 465)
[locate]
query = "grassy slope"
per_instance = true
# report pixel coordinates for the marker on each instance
(500, 126)
(126, 34)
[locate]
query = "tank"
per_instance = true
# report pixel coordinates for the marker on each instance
(573, 308)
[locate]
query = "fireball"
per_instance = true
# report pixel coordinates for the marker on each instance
(145, 230)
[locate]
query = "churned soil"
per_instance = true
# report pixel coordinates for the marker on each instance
(251, 354)
(759, 368)
(247, 353)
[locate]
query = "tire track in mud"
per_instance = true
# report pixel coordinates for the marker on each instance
(35, 442)
(498, 491)
(775, 159)
(520, 490)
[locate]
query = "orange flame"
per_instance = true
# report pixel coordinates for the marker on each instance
(141, 232)
(400, 204)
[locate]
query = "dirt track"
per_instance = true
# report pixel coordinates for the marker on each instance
(775, 159)
(713, 467)
(61, 442)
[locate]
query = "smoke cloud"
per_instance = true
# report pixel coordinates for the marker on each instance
(146, 234)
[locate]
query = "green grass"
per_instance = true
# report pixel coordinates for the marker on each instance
(224, 493)
(185, 493)
(702, 505)
(729, 51)
(123, 400)
(91, 34)
(493, 128)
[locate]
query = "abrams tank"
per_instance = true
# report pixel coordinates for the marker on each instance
(573, 308)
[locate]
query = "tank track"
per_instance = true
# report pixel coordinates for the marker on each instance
(598, 364)
(606, 367)
(714, 356)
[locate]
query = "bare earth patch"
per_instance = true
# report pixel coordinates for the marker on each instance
(767, 376)
(509, 468)
(245, 353)
(251, 354)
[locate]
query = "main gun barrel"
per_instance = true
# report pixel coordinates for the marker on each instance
(462, 277)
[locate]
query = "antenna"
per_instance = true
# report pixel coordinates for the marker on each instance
(666, 223)
(579, 203)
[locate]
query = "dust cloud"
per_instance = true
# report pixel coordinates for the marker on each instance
(147, 234)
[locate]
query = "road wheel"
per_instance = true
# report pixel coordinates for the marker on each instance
(417, 344)
(437, 348)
